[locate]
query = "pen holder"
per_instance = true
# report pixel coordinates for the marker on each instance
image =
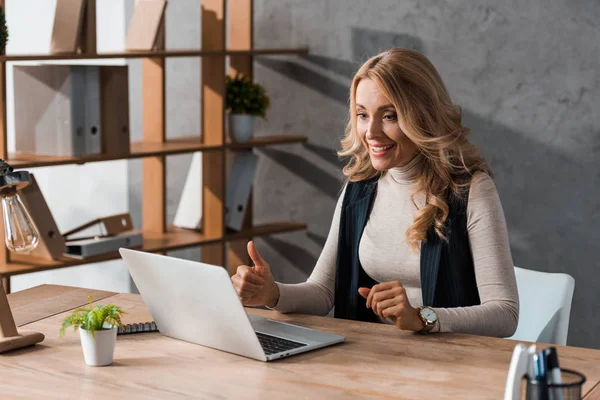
(569, 388)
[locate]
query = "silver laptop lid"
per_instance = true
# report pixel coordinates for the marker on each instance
(193, 301)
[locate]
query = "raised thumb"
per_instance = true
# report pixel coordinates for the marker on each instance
(364, 292)
(259, 263)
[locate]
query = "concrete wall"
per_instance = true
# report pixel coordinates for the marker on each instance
(524, 72)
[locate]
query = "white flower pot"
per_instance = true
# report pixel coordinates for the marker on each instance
(98, 350)
(241, 127)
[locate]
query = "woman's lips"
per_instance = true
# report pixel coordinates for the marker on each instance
(380, 150)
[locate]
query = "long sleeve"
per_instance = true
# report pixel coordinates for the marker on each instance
(316, 295)
(494, 271)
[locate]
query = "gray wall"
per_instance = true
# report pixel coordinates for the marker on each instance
(524, 72)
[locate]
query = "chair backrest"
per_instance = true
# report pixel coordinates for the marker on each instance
(544, 306)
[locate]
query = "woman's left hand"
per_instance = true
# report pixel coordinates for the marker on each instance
(388, 300)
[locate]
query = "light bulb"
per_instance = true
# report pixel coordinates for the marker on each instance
(20, 233)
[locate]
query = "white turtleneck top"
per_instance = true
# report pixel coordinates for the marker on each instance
(385, 256)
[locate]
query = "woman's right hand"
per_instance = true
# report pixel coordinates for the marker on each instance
(255, 286)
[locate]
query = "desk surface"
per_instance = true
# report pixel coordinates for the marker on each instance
(376, 361)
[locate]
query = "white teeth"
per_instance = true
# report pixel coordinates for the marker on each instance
(382, 148)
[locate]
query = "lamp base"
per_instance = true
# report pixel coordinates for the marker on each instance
(24, 339)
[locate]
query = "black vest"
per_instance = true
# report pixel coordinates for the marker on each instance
(447, 271)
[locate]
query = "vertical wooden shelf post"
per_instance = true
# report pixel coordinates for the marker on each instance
(213, 129)
(3, 155)
(241, 37)
(154, 212)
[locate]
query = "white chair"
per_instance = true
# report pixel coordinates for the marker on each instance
(544, 306)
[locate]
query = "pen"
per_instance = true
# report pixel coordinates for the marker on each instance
(541, 366)
(531, 362)
(553, 372)
(540, 358)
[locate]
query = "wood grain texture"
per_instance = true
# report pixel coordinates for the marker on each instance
(593, 394)
(240, 37)
(87, 43)
(6, 284)
(8, 328)
(377, 361)
(37, 303)
(156, 54)
(141, 149)
(154, 242)
(3, 148)
(213, 128)
(154, 187)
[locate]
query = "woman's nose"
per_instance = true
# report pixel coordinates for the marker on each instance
(373, 130)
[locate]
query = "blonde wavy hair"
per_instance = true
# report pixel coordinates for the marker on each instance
(432, 122)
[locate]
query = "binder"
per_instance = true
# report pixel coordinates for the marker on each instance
(71, 137)
(114, 110)
(189, 210)
(92, 124)
(57, 110)
(239, 185)
(89, 247)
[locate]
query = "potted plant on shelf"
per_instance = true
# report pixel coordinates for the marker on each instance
(3, 31)
(245, 101)
(97, 330)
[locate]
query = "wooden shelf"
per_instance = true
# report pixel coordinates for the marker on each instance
(181, 145)
(174, 239)
(267, 229)
(154, 54)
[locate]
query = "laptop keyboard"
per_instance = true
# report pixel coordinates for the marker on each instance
(274, 344)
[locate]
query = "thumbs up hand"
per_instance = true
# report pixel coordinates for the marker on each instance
(255, 286)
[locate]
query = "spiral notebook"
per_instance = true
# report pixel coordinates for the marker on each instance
(142, 327)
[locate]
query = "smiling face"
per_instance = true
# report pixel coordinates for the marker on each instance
(378, 126)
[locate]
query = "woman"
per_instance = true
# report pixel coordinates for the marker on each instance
(418, 236)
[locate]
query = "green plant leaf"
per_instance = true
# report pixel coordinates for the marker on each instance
(93, 318)
(245, 97)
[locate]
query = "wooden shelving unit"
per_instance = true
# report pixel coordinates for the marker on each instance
(181, 145)
(173, 239)
(220, 247)
(180, 53)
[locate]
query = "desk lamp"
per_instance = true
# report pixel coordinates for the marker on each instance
(20, 236)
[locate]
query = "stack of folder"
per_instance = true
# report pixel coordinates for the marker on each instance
(71, 110)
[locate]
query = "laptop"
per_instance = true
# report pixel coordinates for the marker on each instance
(197, 303)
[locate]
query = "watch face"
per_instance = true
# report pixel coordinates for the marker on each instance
(429, 314)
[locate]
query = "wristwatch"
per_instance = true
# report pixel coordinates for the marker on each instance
(428, 316)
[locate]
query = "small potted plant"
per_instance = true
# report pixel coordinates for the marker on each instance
(3, 31)
(245, 101)
(98, 331)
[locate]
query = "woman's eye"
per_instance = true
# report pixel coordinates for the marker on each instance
(390, 117)
(362, 115)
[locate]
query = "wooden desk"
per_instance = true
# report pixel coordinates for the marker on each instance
(377, 361)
